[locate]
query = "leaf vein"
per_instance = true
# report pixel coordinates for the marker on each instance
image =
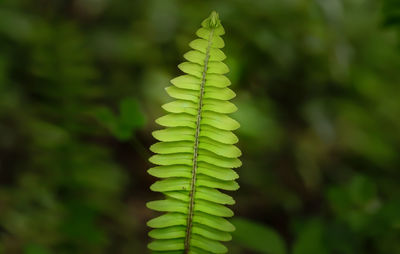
(196, 148)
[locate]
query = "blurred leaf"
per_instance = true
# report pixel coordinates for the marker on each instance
(15, 24)
(257, 237)
(362, 190)
(131, 117)
(391, 213)
(355, 202)
(80, 225)
(310, 239)
(107, 118)
(391, 10)
(256, 117)
(124, 125)
(35, 249)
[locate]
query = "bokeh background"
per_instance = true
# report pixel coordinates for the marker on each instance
(317, 82)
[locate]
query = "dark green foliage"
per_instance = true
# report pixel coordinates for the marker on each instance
(262, 238)
(317, 86)
(391, 10)
(124, 125)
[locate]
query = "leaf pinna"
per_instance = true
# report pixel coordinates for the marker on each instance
(196, 152)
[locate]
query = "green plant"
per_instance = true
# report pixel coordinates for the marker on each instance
(196, 152)
(256, 236)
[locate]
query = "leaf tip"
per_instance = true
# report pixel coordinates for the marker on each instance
(213, 20)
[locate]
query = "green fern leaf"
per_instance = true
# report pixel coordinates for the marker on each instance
(196, 152)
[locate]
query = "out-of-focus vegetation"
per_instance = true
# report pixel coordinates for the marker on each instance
(319, 102)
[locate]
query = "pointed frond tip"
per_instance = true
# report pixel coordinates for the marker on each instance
(212, 21)
(196, 153)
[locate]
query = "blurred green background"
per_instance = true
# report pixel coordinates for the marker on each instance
(317, 82)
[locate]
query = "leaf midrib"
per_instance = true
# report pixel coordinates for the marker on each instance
(196, 147)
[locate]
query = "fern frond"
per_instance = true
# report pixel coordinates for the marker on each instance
(196, 153)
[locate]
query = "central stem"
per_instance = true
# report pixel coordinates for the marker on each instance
(196, 149)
